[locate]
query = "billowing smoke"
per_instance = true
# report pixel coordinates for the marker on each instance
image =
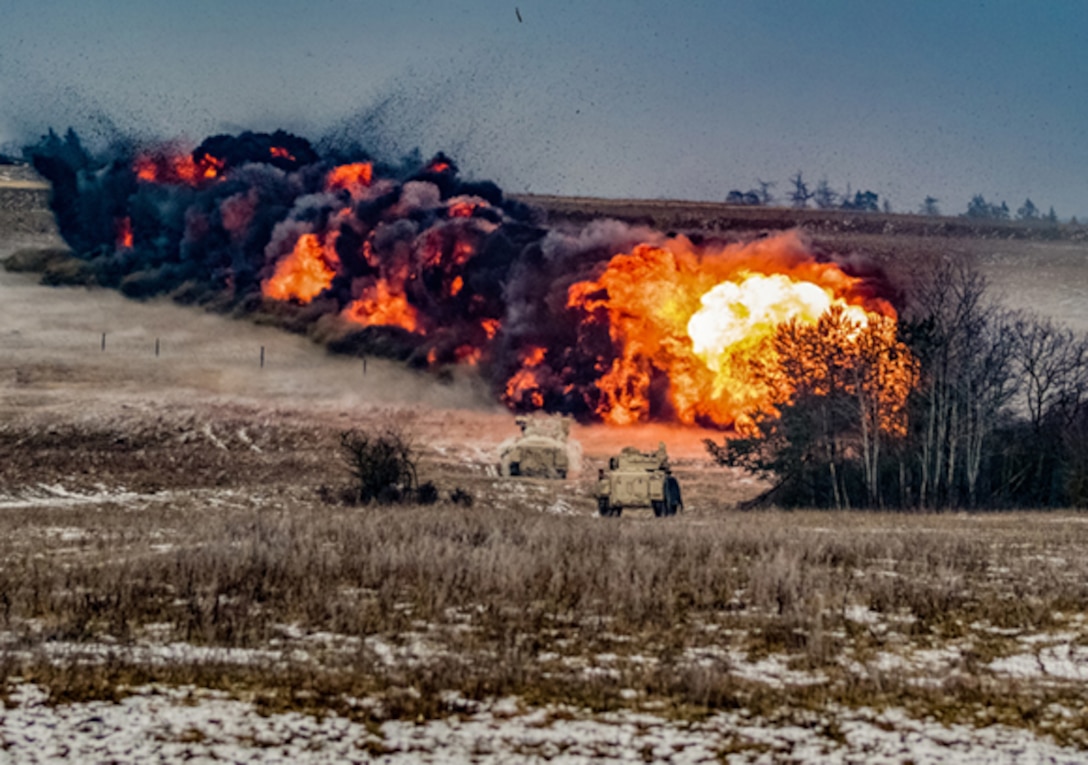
(410, 260)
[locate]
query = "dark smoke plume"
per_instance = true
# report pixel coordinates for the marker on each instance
(421, 264)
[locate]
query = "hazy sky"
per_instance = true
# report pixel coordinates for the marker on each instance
(595, 97)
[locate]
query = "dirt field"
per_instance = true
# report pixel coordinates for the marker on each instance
(175, 584)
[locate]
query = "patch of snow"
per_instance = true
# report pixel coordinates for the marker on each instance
(188, 724)
(862, 615)
(66, 533)
(1055, 662)
(772, 671)
(560, 507)
(988, 628)
(415, 650)
(210, 435)
(245, 439)
(163, 654)
(55, 495)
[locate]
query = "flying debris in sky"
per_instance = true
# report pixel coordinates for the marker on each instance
(518, 12)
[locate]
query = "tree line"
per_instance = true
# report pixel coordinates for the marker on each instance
(962, 403)
(822, 196)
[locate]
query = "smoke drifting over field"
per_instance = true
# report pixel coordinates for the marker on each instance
(410, 260)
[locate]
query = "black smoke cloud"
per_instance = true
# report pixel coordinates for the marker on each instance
(214, 240)
(486, 281)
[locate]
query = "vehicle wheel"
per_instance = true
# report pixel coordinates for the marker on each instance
(603, 507)
(515, 468)
(562, 474)
(659, 507)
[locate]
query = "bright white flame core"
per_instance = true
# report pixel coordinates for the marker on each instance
(740, 314)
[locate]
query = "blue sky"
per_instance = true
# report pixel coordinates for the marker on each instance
(598, 97)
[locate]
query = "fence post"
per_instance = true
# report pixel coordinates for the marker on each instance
(262, 357)
(103, 341)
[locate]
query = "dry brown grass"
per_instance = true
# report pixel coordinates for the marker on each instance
(506, 600)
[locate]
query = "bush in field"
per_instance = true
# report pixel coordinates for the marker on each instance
(382, 465)
(427, 494)
(461, 497)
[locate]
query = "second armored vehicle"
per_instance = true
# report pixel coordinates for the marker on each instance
(541, 451)
(638, 479)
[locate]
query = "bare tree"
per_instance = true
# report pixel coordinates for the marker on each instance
(929, 207)
(987, 385)
(1053, 364)
(884, 372)
(800, 195)
(1027, 211)
(965, 376)
(825, 197)
(765, 195)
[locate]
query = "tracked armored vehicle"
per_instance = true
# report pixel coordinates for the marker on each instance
(541, 451)
(637, 479)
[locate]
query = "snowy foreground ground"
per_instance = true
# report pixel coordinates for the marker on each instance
(189, 725)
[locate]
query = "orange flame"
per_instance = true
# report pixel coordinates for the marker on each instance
(146, 169)
(381, 304)
(534, 356)
(306, 272)
(525, 382)
(461, 210)
(354, 177)
(281, 153)
(210, 166)
(467, 354)
(490, 327)
(177, 168)
(464, 206)
(124, 233)
(840, 354)
(700, 319)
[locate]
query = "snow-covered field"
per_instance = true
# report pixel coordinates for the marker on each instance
(172, 723)
(195, 725)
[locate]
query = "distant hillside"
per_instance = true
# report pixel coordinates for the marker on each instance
(24, 201)
(715, 217)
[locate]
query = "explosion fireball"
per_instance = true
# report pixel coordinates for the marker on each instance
(605, 322)
(691, 322)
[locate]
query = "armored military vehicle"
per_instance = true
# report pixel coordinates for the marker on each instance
(638, 479)
(541, 451)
